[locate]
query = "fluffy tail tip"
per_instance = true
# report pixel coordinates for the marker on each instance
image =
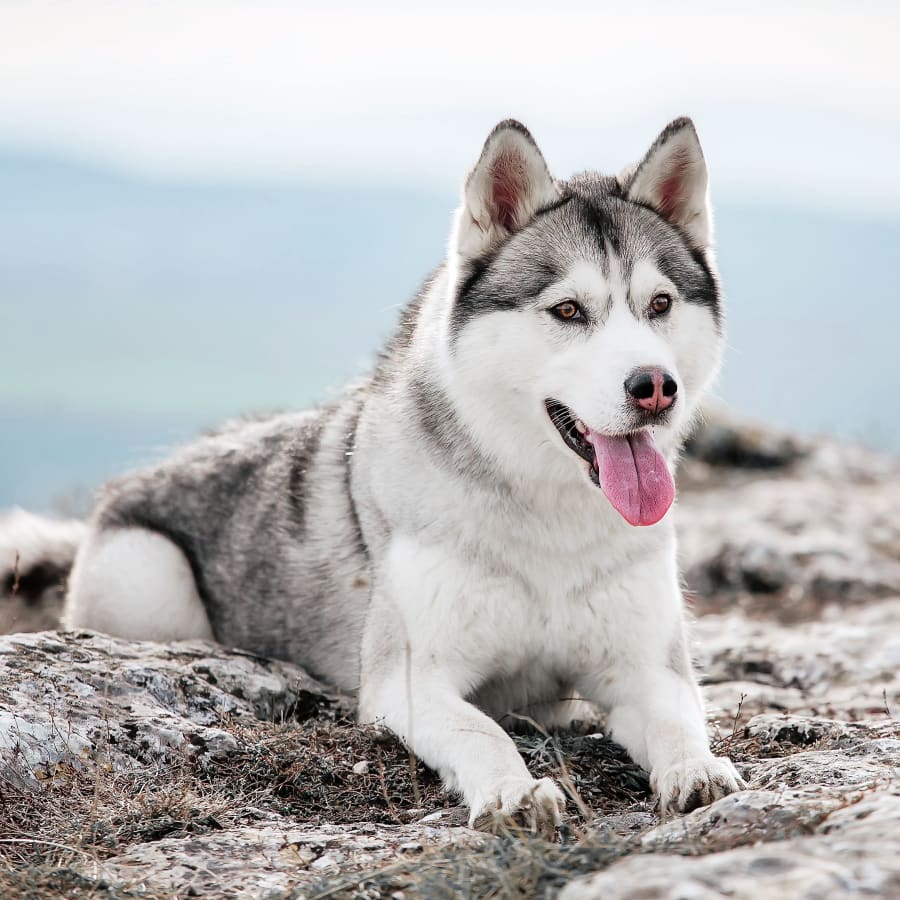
(36, 552)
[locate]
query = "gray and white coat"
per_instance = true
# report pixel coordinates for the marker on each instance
(430, 540)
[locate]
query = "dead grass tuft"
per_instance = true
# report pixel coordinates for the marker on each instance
(56, 836)
(513, 867)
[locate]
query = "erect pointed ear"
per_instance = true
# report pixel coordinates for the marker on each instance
(672, 179)
(509, 183)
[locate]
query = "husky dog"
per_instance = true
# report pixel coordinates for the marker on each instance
(483, 525)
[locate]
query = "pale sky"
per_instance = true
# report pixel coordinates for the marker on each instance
(798, 99)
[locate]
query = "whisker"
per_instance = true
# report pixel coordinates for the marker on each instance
(563, 418)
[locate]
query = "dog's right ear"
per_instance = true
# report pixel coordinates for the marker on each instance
(509, 184)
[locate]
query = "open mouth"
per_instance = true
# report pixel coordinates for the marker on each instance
(572, 430)
(628, 468)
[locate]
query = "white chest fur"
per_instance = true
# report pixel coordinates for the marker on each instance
(531, 606)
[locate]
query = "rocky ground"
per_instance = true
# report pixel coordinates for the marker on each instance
(139, 770)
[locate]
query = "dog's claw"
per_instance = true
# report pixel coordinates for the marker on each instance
(522, 805)
(695, 782)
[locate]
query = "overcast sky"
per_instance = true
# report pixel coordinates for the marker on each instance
(799, 100)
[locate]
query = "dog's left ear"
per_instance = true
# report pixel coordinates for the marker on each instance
(672, 179)
(509, 184)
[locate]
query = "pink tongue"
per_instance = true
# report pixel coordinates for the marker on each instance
(634, 476)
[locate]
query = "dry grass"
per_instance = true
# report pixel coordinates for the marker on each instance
(512, 867)
(55, 838)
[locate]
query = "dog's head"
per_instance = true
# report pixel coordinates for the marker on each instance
(584, 318)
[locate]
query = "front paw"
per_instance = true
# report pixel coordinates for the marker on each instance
(695, 782)
(520, 804)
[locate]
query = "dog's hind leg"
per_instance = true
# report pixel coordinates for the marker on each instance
(136, 584)
(565, 714)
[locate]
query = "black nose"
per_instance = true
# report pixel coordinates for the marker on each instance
(652, 389)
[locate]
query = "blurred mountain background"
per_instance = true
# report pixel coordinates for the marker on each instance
(210, 211)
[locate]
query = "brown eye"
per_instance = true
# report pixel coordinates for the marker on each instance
(660, 305)
(567, 311)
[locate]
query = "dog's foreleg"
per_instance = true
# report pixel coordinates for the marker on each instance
(421, 656)
(472, 753)
(657, 714)
(661, 726)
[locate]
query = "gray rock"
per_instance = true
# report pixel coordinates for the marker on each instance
(843, 666)
(68, 699)
(791, 729)
(822, 790)
(733, 444)
(793, 540)
(270, 860)
(849, 849)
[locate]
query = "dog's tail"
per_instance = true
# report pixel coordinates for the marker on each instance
(36, 553)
